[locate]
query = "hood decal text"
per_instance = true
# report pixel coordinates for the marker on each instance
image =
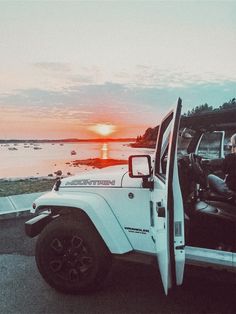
(91, 182)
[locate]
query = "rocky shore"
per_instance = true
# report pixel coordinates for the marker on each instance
(16, 186)
(99, 163)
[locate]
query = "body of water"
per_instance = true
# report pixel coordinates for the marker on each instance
(24, 160)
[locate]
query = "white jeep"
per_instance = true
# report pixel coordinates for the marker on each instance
(159, 206)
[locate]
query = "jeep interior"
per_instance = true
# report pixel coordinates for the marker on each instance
(210, 218)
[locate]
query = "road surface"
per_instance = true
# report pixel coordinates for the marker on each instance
(130, 288)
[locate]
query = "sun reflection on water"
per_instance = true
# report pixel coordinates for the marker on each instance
(104, 151)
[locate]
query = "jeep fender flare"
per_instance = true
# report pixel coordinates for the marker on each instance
(98, 211)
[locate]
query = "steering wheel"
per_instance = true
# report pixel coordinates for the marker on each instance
(196, 168)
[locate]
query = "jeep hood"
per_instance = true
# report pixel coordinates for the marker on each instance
(110, 177)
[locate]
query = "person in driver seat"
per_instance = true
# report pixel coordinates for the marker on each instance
(226, 187)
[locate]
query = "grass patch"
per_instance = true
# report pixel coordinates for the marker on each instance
(24, 186)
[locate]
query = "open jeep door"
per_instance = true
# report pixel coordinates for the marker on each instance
(167, 213)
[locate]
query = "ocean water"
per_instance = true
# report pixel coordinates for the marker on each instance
(36, 160)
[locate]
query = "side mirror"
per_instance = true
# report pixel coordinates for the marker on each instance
(140, 166)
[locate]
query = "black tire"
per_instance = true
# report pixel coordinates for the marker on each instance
(71, 256)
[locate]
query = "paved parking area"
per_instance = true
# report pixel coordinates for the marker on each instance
(130, 288)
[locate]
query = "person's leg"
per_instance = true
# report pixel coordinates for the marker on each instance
(218, 185)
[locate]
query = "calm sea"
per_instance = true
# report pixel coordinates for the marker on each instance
(24, 160)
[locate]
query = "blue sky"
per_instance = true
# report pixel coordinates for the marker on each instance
(67, 65)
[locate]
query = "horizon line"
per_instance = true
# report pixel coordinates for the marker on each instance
(69, 140)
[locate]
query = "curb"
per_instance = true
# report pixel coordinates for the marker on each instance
(16, 214)
(17, 206)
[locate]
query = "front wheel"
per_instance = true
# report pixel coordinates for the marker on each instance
(71, 256)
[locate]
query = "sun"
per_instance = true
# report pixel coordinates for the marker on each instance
(103, 129)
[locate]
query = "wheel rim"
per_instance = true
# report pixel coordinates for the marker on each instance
(70, 258)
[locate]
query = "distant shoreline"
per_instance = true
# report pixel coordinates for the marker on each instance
(69, 140)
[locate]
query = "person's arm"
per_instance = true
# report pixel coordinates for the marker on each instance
(225, 165)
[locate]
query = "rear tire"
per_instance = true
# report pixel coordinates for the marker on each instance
(71, 256)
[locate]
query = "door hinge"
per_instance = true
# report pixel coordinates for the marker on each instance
(180, 247)
(161, 211)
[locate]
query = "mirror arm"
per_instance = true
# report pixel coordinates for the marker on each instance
(147, 184)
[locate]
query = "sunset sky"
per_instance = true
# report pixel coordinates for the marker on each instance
(87, 69)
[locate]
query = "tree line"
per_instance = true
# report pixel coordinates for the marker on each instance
(206, 108)
(148, 139)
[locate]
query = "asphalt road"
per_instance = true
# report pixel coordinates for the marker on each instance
(130, 288)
